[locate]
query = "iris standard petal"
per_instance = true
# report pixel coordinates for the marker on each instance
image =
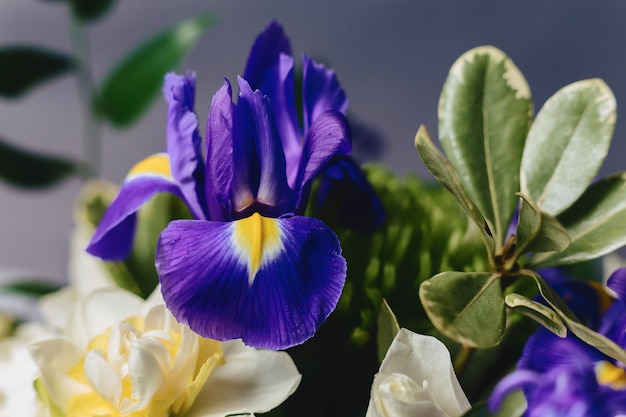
(329, 136)
(617, 282)
(320, 91)
(273, 190)
(219, 150)
(271, 282)
(113, 238)
(278, 85)
(184, 142)
(264, 53)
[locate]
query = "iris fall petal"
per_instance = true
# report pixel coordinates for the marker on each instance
(271, 282)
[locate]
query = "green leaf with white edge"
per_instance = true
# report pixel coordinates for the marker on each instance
(22, 67)
(467, 307)
(538, 231)
(136, 81)
(485, 111)
(596, 223)
(591, 337)
(443, 172)
(567, 144)
(388, 328)
(538, 312)
(35, 170)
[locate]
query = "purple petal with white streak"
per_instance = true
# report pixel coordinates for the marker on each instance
(207, 286)
(219, 150)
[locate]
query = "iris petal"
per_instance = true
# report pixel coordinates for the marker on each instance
(113, 238)
(267, 47)
(278, 85)
(219, 150)
(183, 141)
(320, 91)
(273, 190)
(617, 282)
(329, 136)
(205, 270)
(545, 351)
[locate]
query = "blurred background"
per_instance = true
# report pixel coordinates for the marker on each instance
(391, 57)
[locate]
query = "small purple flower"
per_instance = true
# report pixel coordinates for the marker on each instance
(250, 265)
(566, 377)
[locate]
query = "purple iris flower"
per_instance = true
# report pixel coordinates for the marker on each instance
(270, 68)
(249, 266)
(568, 378)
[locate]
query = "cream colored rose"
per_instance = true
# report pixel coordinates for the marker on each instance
(416, 378)
(147, 364)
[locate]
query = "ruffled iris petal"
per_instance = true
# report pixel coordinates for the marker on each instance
(320, 91)
(329, 136)
(273, 190)
(270, 282)
(219, 150)
(183, 141)
(267, 47)
(113, 238)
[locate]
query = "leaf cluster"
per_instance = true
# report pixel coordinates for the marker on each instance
(123, 95)
(526, 186)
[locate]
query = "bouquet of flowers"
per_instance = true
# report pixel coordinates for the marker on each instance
(254, 266)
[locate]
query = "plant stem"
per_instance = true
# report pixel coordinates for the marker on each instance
(92, 137)
(462, 359)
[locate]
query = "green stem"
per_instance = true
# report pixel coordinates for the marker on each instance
(462, 359)
(92, 137)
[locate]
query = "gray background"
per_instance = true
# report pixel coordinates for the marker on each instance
(391, 57)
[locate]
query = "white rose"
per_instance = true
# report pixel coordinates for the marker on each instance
(416, 378)
(123, 356)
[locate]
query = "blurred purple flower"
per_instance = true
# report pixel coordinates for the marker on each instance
(567, 377)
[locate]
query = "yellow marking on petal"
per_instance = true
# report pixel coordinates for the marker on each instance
(257, 240)
(155, 165)
(611, 375)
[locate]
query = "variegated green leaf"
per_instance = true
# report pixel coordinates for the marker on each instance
(443, 172)
(596, 223)
(468, 307)
(484, 116)
(538, 312)
(567, 143)
(538, 231)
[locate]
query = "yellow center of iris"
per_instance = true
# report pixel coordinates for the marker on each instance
(157, 164)
(611, 375)
(257, 239)
(131, 371)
